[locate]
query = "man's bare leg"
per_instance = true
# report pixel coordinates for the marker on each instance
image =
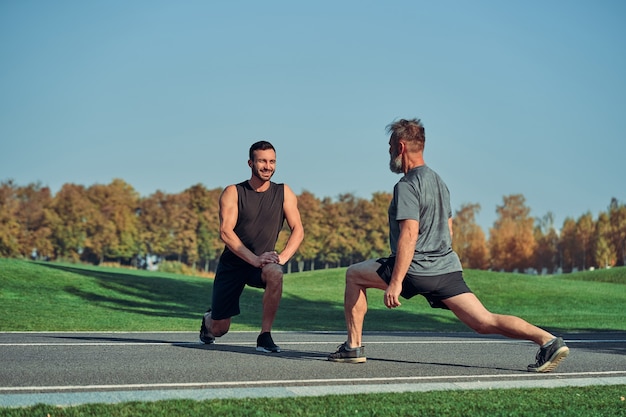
(359, 277)
(468, 308)
(273, 277)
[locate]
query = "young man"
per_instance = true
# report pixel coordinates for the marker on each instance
(251, 216)
(422, 260)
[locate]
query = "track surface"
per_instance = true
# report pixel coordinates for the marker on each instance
(77, 368)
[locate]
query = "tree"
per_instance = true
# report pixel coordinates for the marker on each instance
(33, 215)
(468, 240)
(113, 230)
(585, 233)
(568, 245)
(547, 250)
(377, 225)
(511, 240)
(9, 226)
(70, 213)
(604, 254)
(336, 234)
(617, 217)
(312, 216)
(153, 219)
(205, 205)
(181, 223)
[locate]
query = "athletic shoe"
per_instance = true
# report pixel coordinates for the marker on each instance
(264, 343)
(205, 335)
(548, 357)
(348, 355)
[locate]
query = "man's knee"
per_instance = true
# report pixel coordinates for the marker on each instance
(219, 327)
(272, 274)
(364, 274)
(486, 324)
(353, 273)
(481, 327)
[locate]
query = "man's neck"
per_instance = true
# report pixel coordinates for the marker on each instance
(258, 184)
(413, 161)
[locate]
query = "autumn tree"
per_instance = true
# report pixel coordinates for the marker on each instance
(112, 222)
(468, 239)
(312, 216)
(359, 214)
(568, 246)
(9, 225)
(585, 234)
(511, 240)
(376, 221)
(617, 218)
(547, 251)
(181, 224)
(113, 226)
(204, 204)
(153, 219)
(70, 213)
(336, 233)
(603, 251)
(33, 215)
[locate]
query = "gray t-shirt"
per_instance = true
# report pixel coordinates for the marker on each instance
(423, 196)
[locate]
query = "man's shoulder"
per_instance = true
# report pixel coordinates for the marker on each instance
(422, 173)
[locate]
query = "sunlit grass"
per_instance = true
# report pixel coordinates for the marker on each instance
(605, 401)
(50, 296)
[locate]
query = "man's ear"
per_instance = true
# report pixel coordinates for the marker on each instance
(401, 147)
(250, 163)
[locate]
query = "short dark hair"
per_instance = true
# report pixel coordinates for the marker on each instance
(412, 131)
(261, 145)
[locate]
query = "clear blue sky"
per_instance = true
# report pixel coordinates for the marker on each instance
(517, 97)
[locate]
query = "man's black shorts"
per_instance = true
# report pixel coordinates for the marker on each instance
(434, 288)
(228, 285)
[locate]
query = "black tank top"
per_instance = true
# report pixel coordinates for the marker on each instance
(260, 218)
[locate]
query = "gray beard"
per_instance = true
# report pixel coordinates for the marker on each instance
(395, 165)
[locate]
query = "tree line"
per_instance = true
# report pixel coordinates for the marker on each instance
(113, 223)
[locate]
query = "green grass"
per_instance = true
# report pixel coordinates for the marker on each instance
(605, 401)
(64, 297)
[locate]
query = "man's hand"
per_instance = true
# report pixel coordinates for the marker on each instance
(392, 295)
(268, 258)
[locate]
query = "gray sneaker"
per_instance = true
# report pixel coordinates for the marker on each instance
(205, 335)
(548, 357)
(348, 355)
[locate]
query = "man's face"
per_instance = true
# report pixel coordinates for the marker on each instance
(264, 164)
(395, 157)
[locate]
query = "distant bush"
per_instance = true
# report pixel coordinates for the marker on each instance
(615, 275)
(176, 267)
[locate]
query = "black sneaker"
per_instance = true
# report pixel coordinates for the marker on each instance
(264, 343)
(205, 335)
(548, 357)
(348, 355)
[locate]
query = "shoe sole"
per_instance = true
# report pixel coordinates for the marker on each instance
(348, 360)
(264, 350)
(554, 361)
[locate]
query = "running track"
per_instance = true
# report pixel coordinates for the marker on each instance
(76, 368)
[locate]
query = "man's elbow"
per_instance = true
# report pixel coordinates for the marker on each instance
(299, 234)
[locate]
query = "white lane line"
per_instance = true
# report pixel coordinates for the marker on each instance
(298, 382)
(103, 344)
(283, 343)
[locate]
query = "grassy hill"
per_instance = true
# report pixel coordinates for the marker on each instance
(64, 297)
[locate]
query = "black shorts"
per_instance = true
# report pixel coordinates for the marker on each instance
(229, 282)
(434, 288)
